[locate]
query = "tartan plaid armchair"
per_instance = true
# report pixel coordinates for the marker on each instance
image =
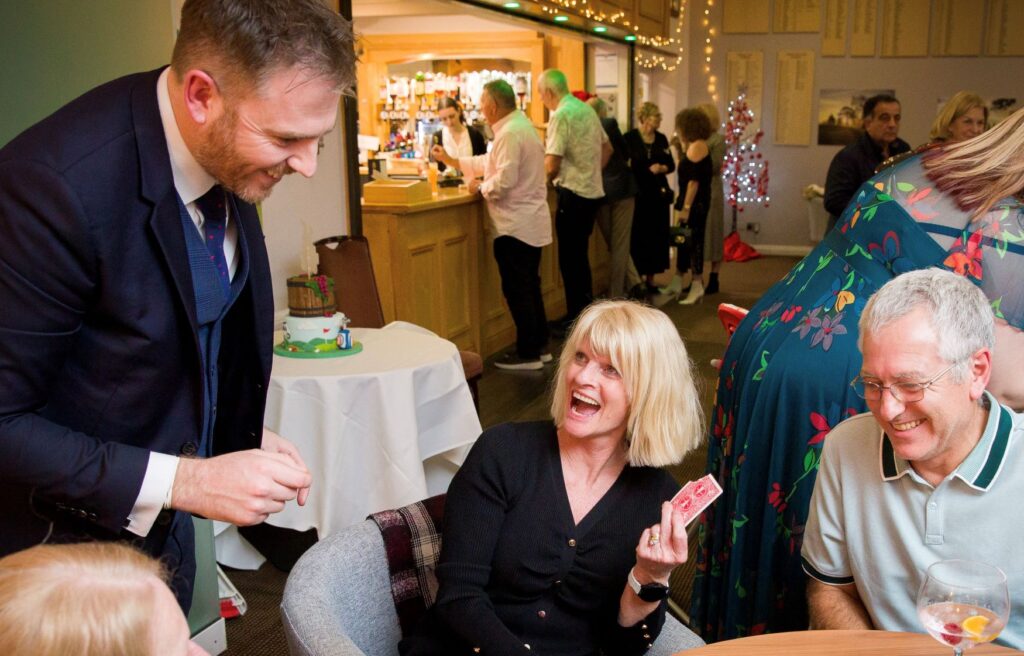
(356, 591)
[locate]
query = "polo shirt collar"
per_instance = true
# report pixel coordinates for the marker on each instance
(981, 466)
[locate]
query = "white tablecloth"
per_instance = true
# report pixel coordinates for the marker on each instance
(378, 429)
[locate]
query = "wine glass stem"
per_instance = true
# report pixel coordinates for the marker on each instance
(957, 651)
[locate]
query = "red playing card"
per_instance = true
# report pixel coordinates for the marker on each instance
(695, 497)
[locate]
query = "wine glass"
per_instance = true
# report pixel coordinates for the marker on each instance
(963, 603)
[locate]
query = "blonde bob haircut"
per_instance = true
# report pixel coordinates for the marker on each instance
(961, 103)
(665, 419)
(89, 599)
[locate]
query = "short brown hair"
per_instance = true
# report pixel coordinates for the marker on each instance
(241, 43)
(693, 124)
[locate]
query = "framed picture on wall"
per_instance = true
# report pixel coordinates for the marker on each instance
(840, 114)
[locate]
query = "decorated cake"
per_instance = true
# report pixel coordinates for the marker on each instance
(314, 327)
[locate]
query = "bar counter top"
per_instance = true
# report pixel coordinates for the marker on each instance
(442, 198)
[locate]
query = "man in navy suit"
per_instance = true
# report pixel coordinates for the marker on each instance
(135, 295)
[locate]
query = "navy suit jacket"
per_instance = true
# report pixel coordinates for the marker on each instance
(99, 358)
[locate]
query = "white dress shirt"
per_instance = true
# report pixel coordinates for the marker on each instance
(190, 181)
(514, 185)
(456, 149)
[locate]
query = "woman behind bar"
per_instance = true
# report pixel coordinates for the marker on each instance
(785, 378)
(457, 138)
(545, 523)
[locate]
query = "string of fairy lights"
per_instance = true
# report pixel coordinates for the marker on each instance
(561, 11)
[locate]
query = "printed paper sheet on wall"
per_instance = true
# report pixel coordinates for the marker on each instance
(957, 28)
(833, 38)
(745, 71)
(1004, 29)
(797, 16)
(864, 34)
(794, 84)
(745, 17)
(905, 28)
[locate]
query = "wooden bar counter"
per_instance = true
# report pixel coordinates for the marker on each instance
(435, 268)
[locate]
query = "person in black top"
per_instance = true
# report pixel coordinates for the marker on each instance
(854, 164)
(559, 539)
(651, 161)
(695, 171)
(457, 138)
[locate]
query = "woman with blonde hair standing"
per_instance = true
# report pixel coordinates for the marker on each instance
(651, 161)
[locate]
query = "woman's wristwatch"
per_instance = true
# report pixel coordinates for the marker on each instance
(648, 591)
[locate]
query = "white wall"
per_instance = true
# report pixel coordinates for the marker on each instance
(320, 202)
(918, 82)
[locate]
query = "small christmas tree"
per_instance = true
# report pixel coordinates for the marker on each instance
(744, 169)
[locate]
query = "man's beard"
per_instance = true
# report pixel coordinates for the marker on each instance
(219, 157)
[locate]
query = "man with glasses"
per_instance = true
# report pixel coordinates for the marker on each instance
(930, 474)
(137, 321)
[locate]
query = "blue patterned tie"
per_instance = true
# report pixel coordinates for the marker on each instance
(211, 204)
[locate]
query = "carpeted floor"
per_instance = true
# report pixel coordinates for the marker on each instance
(522, 396)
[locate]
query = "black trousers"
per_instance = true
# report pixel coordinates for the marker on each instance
(692, 257)
(519, 268)
(574, 221)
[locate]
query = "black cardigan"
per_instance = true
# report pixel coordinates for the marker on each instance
(516, 570)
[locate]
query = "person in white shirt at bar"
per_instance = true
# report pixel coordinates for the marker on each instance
(520, 223)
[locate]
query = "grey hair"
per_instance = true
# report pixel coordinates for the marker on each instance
(501, 93)
(957, 311)
(554, 81)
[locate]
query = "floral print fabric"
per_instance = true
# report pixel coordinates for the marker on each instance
(785, 382)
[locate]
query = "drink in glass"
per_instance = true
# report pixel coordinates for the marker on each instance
(963, 603)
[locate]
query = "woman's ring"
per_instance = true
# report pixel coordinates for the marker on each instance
(653, 540)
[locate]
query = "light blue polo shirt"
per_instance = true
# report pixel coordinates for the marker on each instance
(876, 523)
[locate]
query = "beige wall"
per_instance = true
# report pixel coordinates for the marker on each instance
(918, 82)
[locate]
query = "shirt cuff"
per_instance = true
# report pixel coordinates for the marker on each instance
(155, 494)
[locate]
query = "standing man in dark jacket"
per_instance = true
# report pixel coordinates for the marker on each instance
(615, 215)
(135, 337)
(855, 163)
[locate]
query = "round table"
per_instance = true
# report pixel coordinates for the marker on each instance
(839, 643)
(378, 429)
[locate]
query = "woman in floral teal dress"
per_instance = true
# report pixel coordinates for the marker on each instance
(785, 378)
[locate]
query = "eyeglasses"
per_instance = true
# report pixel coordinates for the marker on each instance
(902, 392)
